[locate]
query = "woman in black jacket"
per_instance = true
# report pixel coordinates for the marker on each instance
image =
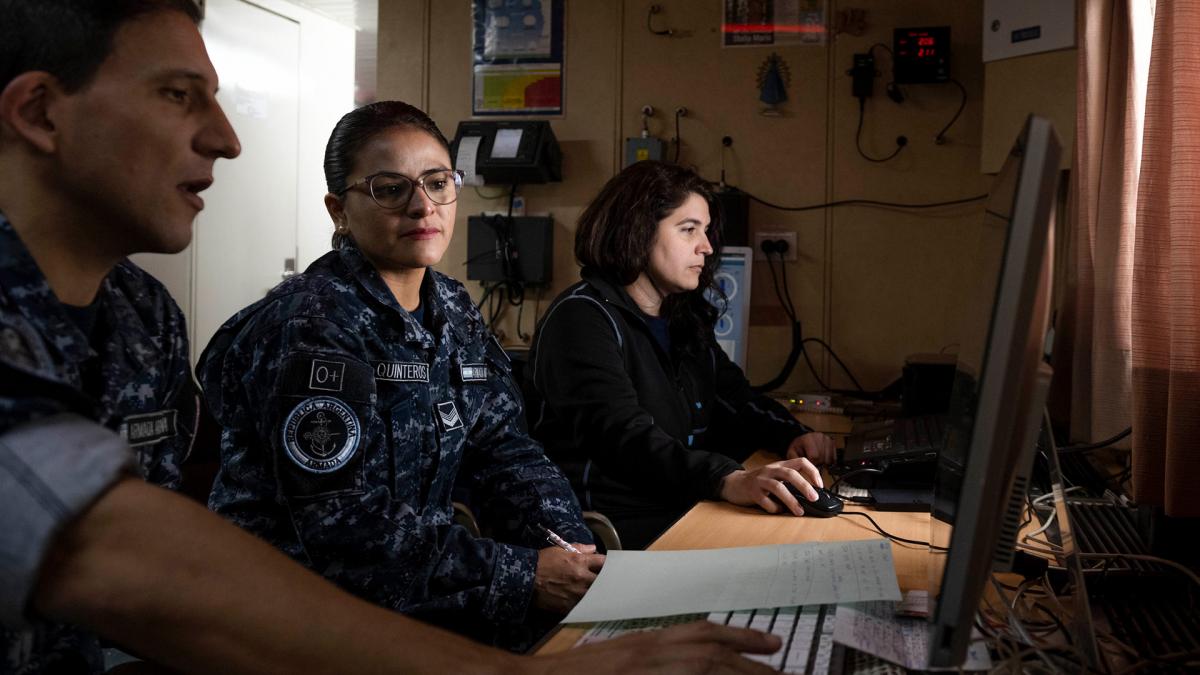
(630, 393)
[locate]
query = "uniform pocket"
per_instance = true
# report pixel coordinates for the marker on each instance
(411, 448)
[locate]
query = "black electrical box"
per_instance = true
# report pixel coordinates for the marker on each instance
(735, 216)
(500, 248)
(922, 55)
(508, 152)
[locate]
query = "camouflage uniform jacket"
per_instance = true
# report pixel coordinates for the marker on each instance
(132, 377)
(346, 424)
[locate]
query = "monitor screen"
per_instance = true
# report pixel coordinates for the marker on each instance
(999, 387)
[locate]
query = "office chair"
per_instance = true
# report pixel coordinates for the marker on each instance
(602, 531)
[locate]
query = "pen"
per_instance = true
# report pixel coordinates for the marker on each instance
(557, 540)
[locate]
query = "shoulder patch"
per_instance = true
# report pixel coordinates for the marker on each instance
(327, 375)
(312, 374)
(321, 434)
(448, 416)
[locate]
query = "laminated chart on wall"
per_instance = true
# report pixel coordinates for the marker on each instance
(773, 23)
(518, 57)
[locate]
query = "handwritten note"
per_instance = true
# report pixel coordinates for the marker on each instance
(874, 628)
(637, 584)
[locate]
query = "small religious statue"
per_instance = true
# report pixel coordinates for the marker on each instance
(773, 80)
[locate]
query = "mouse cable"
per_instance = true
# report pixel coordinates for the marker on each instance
(866, 469)
(892, 536)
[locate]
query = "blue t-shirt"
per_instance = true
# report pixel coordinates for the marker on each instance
(660, 330)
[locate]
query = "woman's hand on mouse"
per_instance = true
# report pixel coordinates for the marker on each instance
(814, 445)
(756, 486)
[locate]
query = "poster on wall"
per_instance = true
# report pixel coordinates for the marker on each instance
(758, 23)
(518, 57)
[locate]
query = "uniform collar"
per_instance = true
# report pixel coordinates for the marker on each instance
(22, 280)
(436, 297)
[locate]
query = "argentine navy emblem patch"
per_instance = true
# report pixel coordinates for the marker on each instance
(321, 434)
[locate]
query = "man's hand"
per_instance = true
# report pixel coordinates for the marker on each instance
(700, 647)
(757, 485)
(563, 577)
(816, 446)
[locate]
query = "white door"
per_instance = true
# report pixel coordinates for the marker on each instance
(247, 230)
(251, 226)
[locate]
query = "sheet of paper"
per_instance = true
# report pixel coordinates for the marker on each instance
(468, 151)
(506, 143)
(874, 628)
(637, 584)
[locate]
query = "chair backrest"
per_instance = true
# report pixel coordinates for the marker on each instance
(603, 531)
(464, 517)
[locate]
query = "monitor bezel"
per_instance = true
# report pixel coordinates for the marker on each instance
(1004, 403)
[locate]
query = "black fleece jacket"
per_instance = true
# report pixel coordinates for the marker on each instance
(640, 433)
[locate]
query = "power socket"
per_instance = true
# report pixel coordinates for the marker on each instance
(788, 237)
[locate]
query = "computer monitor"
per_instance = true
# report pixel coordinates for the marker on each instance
(999, 387)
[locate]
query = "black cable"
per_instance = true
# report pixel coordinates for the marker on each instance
(901, 141)
(813, 369)
(891, 536)
(941, 137)
(838, 481)
(866, 202)
(1087, 447)
(788, 307)
(487, 293)
(857, 387)
(797, 342)
(786, 290)
(520, 312)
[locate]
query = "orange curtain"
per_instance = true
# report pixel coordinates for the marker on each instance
(1165, 335)
(1095, 347)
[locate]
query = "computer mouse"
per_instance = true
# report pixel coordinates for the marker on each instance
(826, 506)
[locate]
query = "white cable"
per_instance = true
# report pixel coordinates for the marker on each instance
(1149, 558)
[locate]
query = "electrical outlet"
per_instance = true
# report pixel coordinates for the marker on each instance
(789, 237)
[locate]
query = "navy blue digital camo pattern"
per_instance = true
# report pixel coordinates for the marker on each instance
(346, 424)
(133, 377)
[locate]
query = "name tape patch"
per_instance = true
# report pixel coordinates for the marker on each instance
(326, 375)
(399, 371)
(148, 428)
(474, 372)
(321, 434)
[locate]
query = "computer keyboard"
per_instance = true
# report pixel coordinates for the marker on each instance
(806, 632)
(906, 437)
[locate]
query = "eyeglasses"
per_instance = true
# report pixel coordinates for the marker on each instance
(394, 191)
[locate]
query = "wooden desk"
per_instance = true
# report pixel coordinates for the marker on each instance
(721, 525)
(836, 426)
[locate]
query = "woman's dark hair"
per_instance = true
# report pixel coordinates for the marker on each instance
(359, 126)
(617, 229)
(69, 38)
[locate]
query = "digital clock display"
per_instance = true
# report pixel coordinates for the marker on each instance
(922, 54)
